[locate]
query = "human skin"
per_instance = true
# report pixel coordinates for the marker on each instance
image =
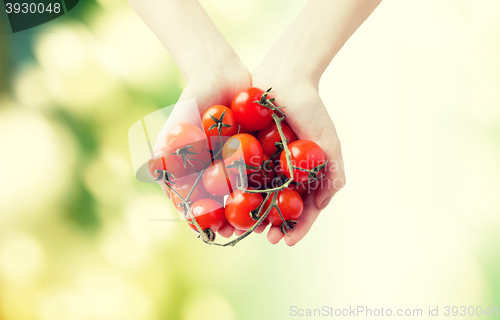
(293, 67)
(213, 71)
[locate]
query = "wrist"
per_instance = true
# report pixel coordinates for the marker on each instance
(281, 75)
(210, 63)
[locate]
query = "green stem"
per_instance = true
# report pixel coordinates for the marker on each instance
(288, 155)
(283, 219)
(188, 208)
(205, 166)
(195, 183)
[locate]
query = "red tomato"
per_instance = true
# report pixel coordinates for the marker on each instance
(262, 179)
(270, 135)
(245, 147)
(238, 207)
(290, 204)
(183, 187)
(249, 114)
(209, 214)
(198, 161)
(217, 180)
(164, 160)
(187, 136)
(304, 154)
(227, 124)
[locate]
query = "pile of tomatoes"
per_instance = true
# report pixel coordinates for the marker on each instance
(233, 167)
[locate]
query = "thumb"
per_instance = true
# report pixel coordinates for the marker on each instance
(183, 111)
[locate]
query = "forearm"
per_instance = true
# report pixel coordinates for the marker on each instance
(187, 32)
(316, 35)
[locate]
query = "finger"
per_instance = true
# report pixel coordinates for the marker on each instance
(184, 111)
(187, 109)
(226, 231)
(306, 220)
(274, 235)
(325, 135)
(239, 232)
(260, 228)
(334, 178)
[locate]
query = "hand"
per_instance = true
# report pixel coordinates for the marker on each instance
(214, 74)
(208, 88)
(212, 69)
(216, 86)
(307, 116)
(293, 67)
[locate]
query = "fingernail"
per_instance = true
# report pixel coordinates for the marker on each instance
(326, 202)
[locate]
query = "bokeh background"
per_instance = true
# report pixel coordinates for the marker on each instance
(415, 96)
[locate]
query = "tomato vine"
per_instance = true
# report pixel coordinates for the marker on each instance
(258, 216)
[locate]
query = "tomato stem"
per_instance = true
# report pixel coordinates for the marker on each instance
(285, 227)
(313, 173)
(268, 103)
(284, 221)
(219, 124)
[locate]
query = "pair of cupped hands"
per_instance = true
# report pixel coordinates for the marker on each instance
(292, 67)
(305, 113)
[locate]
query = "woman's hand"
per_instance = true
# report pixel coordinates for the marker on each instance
(293, 67)
(212, 69)
(217, 86)
(214, 86)
(307, 116)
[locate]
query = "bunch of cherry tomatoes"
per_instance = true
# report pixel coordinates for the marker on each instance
(244, 166)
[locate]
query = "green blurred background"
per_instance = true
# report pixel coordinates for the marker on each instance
(415, 96)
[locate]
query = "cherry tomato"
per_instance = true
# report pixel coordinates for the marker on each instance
(198, 161)
(290, 204)
(249, 114)
(187, 136)
(209, 214)
(262, 178)
(245, 147)
(270, 135)
(164, 160)
(183, 187)
(304, 154)
(227, 124)
(238, 207)
(217, 180)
